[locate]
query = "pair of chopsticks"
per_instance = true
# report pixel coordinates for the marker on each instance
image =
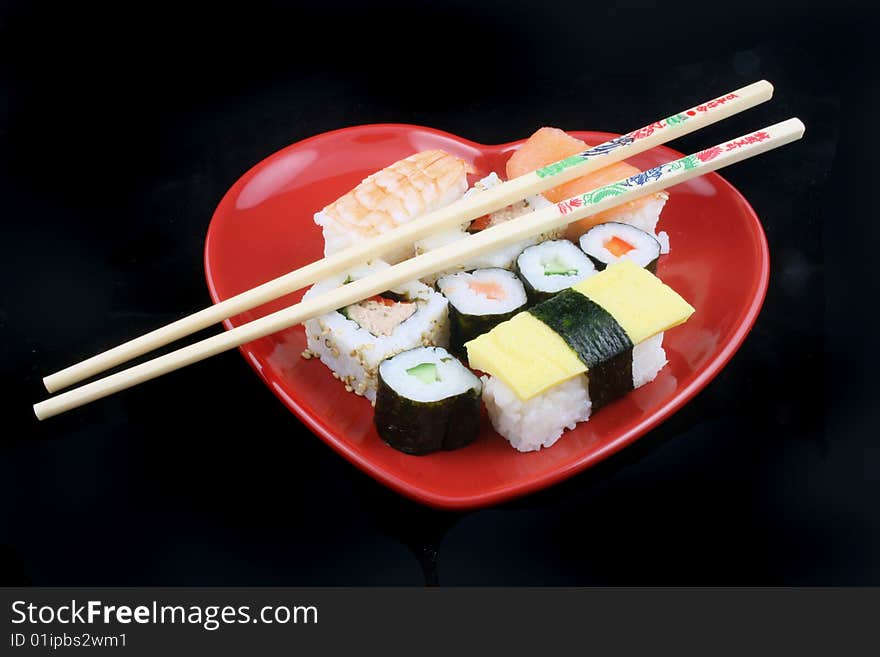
(446, 257)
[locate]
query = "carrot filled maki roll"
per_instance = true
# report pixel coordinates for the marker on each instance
(478, 301)
(608, 243)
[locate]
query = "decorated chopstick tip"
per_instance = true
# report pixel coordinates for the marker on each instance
(786, 131)
(681, 123)
(763, 90)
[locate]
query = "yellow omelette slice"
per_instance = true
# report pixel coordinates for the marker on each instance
(526, 354)
(640, 302)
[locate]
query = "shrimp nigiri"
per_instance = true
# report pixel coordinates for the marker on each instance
(549, 145)
(399, 193)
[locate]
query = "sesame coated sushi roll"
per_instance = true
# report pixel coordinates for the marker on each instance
(478, 301)
(427, 401)
(353, 340)
(550, 267)
(608, 243)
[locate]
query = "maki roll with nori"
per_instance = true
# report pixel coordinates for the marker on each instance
(427, 401)
(478, 301)
(607, 243)
(550, 267)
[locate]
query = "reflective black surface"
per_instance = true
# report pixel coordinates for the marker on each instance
(120, 129)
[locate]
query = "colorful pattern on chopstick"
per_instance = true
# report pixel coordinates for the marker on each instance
(643, 177)
(629, 138)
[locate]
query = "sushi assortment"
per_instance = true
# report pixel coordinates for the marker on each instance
(558, 325)
(533, 301)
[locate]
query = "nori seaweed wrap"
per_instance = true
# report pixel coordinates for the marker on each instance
(427, 401)
(598, 340)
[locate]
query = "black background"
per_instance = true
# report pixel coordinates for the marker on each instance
(122, 126)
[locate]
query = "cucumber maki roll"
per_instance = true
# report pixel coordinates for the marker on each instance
(427, 401)
(607, 243)
(551, 267)
(478, 301)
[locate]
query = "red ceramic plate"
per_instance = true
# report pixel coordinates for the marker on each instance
(263, 228)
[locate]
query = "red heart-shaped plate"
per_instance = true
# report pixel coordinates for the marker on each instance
(263, 228)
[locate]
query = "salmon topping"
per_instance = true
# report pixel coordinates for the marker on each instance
(549, 145)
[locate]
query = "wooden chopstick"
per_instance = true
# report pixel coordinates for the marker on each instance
(445, 257)
(452, 215)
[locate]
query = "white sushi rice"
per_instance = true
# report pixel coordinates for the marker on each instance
(645, 217)
(483, 184)
(456, 288)
(453, 378)
(539, 422)
(503, 257)
(533, 261)
(354, 353)
(663, 238)
(649, 358)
